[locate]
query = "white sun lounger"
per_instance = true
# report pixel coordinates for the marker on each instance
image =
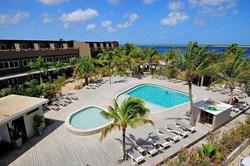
(185, 125)
(158, 140)
(177, 130)
(135, 156)
(147, 146)
(168, 135)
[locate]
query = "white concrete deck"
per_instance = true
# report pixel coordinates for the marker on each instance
(59, 147)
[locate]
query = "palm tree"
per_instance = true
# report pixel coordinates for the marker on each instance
(107, 57)
(58, 66)
(131, 112)
(150, 54)
(231, 69)
(83, 67)
(191, 65)
(39, 65)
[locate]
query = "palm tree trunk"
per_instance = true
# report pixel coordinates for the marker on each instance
(192, 118)
(41, 78)
(231, 96)
(109, 74)
(123, 143)
(86, 79)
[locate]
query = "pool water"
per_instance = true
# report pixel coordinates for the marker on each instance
(88, 118)
(154, 96)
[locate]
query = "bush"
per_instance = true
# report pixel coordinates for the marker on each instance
(217, 150)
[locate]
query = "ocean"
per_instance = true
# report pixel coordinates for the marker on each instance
(163, 49)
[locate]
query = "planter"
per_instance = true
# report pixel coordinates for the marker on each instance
(17, 143)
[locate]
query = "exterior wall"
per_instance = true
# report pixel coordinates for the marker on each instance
(221, 118)
(84, 49)
(29, 122)
(4, 133)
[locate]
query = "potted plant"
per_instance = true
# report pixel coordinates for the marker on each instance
(39, 124)
(16, 138)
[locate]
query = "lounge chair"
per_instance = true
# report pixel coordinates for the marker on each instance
(147, 146)
(52, 107)
(185, 125)
(136, 157)
(168, 135)
(156, 140)
(177, 130)
(61, 103)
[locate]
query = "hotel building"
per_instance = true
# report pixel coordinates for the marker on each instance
(16, 54)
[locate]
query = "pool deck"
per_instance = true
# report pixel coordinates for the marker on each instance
(59, 147)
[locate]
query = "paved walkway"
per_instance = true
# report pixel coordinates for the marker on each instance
(244, 153)
(59, 147)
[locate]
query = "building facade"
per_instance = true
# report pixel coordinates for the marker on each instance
(16, 54)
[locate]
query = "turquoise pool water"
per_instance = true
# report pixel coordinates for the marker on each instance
(88, 118)
(155, 96)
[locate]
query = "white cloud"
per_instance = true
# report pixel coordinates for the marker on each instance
(90, 27)
(174, 18)
(47, 19)
(175, 5)
(114, 2)
(148, 2)
(214, 7)
(131, 18)
(52, 2)
(199, 21)
(78, 16)
(6, 19)
(106, 23)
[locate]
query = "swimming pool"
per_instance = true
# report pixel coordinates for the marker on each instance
(87, 121)
(156, 97)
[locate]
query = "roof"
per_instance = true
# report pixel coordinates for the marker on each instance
(15, 105)
(206, 103)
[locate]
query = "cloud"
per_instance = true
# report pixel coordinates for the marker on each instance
(52, 2)
(148, 2)
(214, 7)
(131, 18)
(199, 21)
(6, 19)
(174, 18)
(78, 16)
(175, 5)
(114, 2)
(47, 19)
(106, 23)
(90, 27)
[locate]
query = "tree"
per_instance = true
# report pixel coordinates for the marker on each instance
(39, 65)
(232, 68)
(58, 66)
(106, 57)
(131, 112)
(59, 82)
(83, 67)
(191, 65)
(150, 54)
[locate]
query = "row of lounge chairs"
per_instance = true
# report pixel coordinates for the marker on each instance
(160, 139)
(240, 106)
(96, 83)
(61, 101)
(223, 90)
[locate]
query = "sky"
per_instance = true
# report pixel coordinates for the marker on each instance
(132, 21)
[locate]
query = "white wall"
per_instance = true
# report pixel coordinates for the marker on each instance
(29, 122)
(4, 133)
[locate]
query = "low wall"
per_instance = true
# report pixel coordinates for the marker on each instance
(236, 152)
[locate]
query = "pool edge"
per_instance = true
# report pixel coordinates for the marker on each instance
(82, 132)
(166, 109)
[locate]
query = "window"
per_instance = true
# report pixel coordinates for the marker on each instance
(1, 66)
(9, 65)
